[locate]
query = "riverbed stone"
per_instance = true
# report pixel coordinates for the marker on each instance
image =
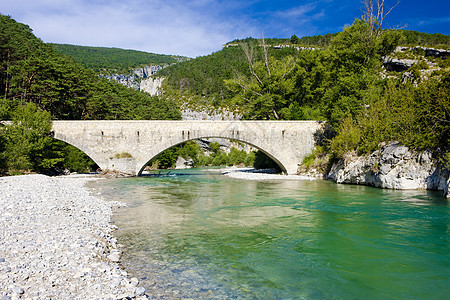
(55, 239)
(114, 256)
(140, 291)
(18, 290)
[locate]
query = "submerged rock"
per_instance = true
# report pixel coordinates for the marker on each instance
(394, 166)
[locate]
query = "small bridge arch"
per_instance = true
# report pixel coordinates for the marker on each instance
(286, 142)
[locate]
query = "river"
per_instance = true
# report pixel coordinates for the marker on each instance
(201, 235)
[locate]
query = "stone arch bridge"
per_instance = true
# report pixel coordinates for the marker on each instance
(286, 142)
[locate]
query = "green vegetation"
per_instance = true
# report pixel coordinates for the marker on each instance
(200, 82)
(414, 38)
(114, 60)
(25, 141)
(208, 80)
(416, 117)
(191, 150)
(26, 146)
(38, 85)
(341, 83)
(204, 75)
(318, 41)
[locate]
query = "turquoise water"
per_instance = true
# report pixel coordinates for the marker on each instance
(202, 235)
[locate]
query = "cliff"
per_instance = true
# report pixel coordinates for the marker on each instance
(140, 79)
(393, 166)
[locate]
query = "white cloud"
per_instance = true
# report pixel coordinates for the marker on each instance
(189, 28)
(297, 12)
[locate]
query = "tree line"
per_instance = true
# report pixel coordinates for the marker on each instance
(38, 85)
(113, 60)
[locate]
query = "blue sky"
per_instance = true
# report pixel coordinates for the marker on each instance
(199, 27)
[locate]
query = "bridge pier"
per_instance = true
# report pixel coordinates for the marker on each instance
(127, 146)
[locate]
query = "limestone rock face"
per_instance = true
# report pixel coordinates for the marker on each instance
(393, 167)
(151, 85)
(442, 53)
(140, 79)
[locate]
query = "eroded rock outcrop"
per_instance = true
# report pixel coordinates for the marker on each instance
(140, 79)
(395, 167)
(442, 53)
(398, 65)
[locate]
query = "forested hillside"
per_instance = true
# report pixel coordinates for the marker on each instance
(317, 41)
(345, 83)
(114, 60)
(37, 85)
(201, 80)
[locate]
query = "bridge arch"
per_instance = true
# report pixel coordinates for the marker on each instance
(270, 155)
(75, 143)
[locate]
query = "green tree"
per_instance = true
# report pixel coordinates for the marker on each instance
(26, 139)
(264, 93)
(354, 60)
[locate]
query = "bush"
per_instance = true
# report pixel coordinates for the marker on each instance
(76, 160)
(236, 157)
(249, 159)
(347, 138)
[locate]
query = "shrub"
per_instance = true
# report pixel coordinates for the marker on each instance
(347, 138)
(122, 155)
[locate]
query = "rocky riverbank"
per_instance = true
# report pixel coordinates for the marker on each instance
(56, 242)
(393, 166)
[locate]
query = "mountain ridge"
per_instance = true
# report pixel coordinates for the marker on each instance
(108, 60)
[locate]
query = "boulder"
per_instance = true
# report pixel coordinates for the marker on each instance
(182, 163)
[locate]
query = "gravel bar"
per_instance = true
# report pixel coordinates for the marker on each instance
(254, 174)
(56, 242)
